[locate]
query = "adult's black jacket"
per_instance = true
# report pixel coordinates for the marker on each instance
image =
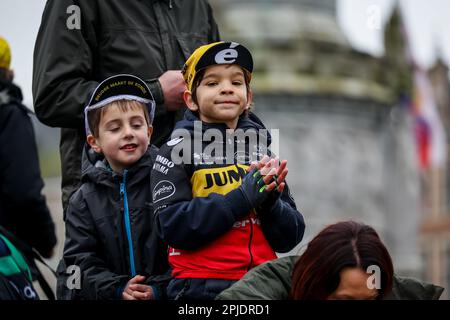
(82, 42)
(23, 209)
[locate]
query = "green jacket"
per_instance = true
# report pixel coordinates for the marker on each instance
(15, 275)
(272, 281)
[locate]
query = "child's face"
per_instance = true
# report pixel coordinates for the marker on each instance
(123, 136)
(221, 95)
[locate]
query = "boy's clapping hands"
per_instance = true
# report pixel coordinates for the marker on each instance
(264, 182)
(272, 171)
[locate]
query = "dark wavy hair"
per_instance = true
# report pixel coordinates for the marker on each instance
(316, 274)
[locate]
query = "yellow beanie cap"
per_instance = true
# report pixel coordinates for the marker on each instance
(216, 53)
(5, 54)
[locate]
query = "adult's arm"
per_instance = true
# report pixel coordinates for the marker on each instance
(63, 63)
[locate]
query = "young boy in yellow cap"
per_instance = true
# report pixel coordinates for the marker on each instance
(110, 238)
(219, 213)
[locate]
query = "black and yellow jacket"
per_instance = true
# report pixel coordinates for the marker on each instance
(200, 213)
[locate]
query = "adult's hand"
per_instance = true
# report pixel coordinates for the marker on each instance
(173, 87)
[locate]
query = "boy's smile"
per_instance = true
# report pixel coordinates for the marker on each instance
(123, 136)
(131, 147)
(221, 95)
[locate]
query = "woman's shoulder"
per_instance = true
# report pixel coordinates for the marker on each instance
(268, 281)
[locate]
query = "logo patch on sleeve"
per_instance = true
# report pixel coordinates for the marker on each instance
(163, 190)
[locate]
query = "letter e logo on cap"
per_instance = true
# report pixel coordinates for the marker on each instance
(226, 56)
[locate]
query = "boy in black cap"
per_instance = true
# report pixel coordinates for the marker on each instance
(217, 211)
(109, 233)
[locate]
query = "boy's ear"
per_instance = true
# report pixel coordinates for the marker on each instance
(187, 96)
(150, 131)
(92, 141)
(249, 99)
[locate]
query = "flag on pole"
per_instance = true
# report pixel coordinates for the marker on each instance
(431, 140)
(429, 130)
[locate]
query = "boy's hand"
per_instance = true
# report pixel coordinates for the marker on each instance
(264, 183)
(273, 173)
(277, 181)
(274, 176)
(135, 290)
(142, 292)
(253, 188)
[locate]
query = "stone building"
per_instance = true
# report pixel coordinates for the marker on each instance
(350, 151)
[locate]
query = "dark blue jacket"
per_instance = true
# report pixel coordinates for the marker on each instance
(110, 234)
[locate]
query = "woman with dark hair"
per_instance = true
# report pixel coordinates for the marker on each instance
(339, 262)
(346, 260)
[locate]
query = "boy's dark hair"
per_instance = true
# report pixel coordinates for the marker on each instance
(199, 77)
(94, 116)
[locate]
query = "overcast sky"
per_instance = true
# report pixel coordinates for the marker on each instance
(428, 24)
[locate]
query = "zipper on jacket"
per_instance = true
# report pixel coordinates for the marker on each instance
(170, 4)
(126, 216)
(250, 244)
(251, 234)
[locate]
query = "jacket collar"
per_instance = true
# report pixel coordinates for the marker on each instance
(9, 92)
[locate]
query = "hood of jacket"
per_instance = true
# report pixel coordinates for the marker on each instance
(9, 92)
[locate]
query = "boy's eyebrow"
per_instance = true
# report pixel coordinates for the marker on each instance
(140, 117)
(113, 121)
(217, 75)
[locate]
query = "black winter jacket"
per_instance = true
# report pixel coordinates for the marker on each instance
(106, 212)
(82, 42)
(23, 209)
